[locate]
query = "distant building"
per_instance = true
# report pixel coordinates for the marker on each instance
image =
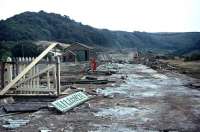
(76, 52)
(133, 55)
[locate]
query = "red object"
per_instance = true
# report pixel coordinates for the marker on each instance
(93, 64)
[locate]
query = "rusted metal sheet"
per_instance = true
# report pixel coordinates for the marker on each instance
(69, 102)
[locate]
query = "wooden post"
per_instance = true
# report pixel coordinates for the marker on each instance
(2, 74)
(54, 77)
(20, 67)
(28, 73)
(54, 74)
(38, 78)
(48, 76)
(8, 72)
(17, 66)
(76, 60)
(23, 66)
(33, 73)
(58, 74)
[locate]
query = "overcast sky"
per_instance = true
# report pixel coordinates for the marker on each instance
(127, 15)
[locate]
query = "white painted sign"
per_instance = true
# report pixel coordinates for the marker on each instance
(68, 102)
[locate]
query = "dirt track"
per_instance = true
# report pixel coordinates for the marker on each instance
(143, 100)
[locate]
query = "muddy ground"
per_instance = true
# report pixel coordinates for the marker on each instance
(141, 100)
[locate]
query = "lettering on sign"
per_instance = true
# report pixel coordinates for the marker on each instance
(68, 102)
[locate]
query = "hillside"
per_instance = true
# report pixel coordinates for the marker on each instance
(54, 27)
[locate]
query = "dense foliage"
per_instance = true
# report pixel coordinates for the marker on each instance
(193, 57)
(25, 49)
(18, 49)
(49, 26)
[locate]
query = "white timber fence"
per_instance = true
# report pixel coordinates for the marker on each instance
(31, 76)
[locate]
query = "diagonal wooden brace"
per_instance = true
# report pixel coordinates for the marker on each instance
(27, 69)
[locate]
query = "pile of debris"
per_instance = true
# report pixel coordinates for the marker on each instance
(16, 111)
(11, 106)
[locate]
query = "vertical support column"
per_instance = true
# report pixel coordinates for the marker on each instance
(28, 74)
(54, 78)
(2, 74)
(33, 73)
(13, 69)
(8, 71)
(76, 61)
(23, 66)
(88, 55)
(54, 75)
(17, 66)
(38, 78)
(48, 76)
(20, 65)
(58, 74)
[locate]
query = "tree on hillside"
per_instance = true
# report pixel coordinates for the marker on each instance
(25, 49)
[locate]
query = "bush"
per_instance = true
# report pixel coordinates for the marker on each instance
(193, 57)
(25, 49)
(4, 54)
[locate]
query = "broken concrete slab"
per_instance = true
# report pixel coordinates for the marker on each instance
(94, 82)
(12, 124)
(44, 129)
(6, 100)
(25, 107)
(106, 73)
(19, 121)
(70, 101)
(91, 78)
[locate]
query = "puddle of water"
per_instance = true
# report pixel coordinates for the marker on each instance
(117, 111)
(125, 113)
(148, 94)
(159, 76)
(111, 91)
(148, 84)
(133, 87)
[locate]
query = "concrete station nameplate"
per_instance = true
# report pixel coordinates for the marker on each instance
(68, 102)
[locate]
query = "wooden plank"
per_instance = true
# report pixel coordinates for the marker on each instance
(34, 79)
(69, 102)
(41, 62)
(54, 78)
(31, 65)
(48, 77)
(38, 78)
(36, 89)
(2, 74)
(36, 75)
(8, 74)
(33, 94)
(58, 75)
(93, 82)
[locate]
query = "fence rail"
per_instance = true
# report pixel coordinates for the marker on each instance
(25, 76)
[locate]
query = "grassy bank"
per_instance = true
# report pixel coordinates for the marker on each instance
(191, 68)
